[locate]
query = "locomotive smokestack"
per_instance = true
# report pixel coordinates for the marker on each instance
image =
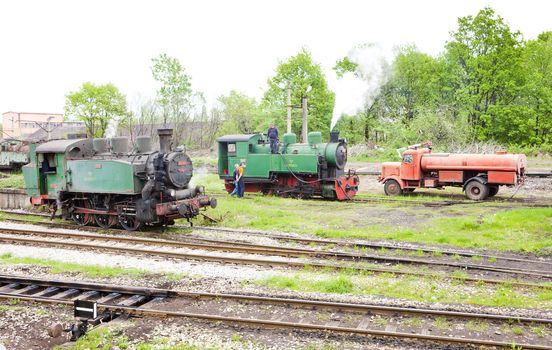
(165, 136)
(334, 136)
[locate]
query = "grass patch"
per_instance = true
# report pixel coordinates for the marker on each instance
(414, 322)
(480, 226)
(112, 338)
(426, 289)
(12, 180)
(441, 324)
(477, 326)
(539, 331)
(58, 267)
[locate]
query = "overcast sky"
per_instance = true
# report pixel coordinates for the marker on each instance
(49, 48)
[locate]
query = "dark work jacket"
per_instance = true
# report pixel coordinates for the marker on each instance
(273, 133)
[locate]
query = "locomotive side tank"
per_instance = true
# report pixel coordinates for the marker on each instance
(309, 169)
(102, 181)
(479, 175)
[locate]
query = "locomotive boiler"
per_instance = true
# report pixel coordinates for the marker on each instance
(479, 175)
(102, 181)
(311, 169)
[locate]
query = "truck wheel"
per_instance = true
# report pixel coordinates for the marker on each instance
(392, 188)
(477, 191)
(493, 190)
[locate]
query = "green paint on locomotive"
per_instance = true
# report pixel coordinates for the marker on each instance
(30, 173)
(65, 165)
(254, 149)
(102, 176)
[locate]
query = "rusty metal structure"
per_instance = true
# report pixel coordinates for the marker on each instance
(479, 175)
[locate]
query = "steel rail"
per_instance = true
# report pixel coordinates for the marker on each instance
(371, 245)
(281, 251)
(361, 244)
(140, 311)
(257, 261)
(160, 292)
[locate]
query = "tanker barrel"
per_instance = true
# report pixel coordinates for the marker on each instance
(334, 136)
(165, 136)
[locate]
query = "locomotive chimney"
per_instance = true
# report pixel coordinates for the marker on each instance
(165, 136)
(334, 136)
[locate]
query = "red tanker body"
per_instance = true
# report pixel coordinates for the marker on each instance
(480, 175)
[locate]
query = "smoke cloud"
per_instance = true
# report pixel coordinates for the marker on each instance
(355, 91)
(111, 130)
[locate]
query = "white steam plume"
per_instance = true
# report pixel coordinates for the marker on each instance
(111, 130)
(353, 92)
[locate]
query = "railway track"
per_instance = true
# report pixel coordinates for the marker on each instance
(307, 241)
(281, 313)
(187, 251)
(233, 246)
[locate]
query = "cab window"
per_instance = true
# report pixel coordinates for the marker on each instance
(231, 148)
(47, 163)
(407, 159)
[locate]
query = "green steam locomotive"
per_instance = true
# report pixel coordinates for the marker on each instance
(302, 170)
(102, 181)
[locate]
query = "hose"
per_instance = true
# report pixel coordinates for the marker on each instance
(295, 176)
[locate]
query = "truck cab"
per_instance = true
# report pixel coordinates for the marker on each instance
(404, 175)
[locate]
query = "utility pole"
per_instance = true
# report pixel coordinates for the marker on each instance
(304, 130)
(289, 108)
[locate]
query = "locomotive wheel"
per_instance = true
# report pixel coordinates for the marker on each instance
(477, 191)
(493, 190)
(82, 219)
(105, 221)
(392, 188)
(129, 222)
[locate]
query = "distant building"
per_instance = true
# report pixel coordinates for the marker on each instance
(23, 124)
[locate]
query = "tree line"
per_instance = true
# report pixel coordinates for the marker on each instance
(488, 84)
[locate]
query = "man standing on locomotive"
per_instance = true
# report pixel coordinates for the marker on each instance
(273, 138)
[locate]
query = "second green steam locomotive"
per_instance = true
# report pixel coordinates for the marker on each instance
(103, 181)
(312, 169)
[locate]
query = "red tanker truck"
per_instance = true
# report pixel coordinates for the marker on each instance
(480, 175)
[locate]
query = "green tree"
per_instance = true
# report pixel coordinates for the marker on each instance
(175, 95)
(537, 92)
(485, 57)
(300, 71)
(413, 83)
(96, 106)
(241, 113)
